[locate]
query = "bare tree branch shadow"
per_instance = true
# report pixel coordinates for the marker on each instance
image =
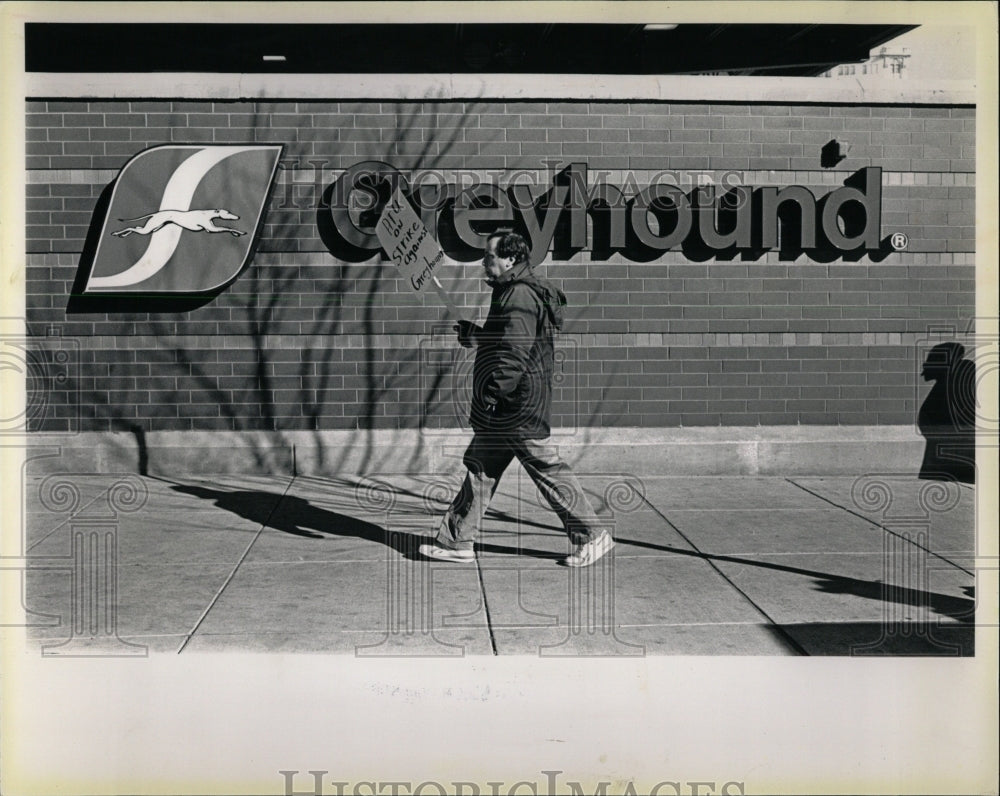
(299, 517)
(257, 398)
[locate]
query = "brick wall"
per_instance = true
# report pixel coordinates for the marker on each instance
(304, 340)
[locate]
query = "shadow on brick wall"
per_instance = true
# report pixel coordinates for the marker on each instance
(947, 417)
(280, 390)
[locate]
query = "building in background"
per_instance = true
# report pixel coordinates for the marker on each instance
(795, 340)
(886, 62)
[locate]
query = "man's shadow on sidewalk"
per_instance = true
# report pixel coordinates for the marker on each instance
(298, 517)
(958, 608)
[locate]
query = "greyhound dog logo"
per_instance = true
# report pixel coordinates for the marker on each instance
(144, 246)
(194, 220)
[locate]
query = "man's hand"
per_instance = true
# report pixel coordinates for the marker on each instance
(467, 332)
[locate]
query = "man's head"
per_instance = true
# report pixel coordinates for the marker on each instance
(504, 250)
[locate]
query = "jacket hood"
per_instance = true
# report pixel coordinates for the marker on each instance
(552, 297)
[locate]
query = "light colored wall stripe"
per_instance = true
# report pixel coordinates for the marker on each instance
(689, 88)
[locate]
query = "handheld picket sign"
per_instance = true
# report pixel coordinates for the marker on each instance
(414, 251)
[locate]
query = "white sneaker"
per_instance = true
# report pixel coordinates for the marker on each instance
(585, 554)
(446, 553)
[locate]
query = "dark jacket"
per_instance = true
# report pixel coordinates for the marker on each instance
(512, 376)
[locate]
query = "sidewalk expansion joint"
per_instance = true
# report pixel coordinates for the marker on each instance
(486, 606)
(882, 527)
(229, 578)
(80, 512)
(786, 637)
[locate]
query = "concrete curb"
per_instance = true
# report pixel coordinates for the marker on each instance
(772, 450)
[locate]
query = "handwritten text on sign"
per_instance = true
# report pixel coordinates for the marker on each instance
(406, 240)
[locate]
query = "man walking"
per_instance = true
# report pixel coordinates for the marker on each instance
(511, 406)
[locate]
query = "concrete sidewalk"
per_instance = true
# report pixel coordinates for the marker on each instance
(730, 565)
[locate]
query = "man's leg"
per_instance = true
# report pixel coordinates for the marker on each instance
(486, 459)
(561, 488)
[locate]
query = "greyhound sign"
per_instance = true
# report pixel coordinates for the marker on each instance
(170, 209)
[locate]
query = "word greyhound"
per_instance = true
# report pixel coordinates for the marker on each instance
(574, 215)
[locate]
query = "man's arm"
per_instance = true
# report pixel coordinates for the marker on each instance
(512, 334)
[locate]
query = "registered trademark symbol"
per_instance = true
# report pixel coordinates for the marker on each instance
(898, 241)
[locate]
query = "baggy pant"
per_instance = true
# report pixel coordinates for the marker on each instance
(486, 458)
